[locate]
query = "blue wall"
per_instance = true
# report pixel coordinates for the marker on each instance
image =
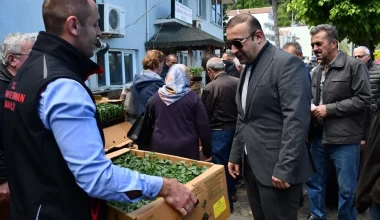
(26, 16)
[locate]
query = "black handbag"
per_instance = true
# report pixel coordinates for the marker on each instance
(141, 131)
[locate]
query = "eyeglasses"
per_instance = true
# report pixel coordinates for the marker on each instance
(361, 56)
(173, 63)
(238, 43)
(20, 54)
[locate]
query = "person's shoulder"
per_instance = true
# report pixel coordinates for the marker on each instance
(352, 60)
(374, 68)
(284, 58)
(191, 97)
(232, 78)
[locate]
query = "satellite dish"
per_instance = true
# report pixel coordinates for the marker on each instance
(113, 19)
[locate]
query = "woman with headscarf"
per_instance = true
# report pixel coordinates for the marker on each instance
(180, 118)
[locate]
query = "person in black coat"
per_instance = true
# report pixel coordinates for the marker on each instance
(171, 59)
(14, 50)
(232, 65)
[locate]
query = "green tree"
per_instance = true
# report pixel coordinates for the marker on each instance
(284, 17)
(357, 20)
(252, 4)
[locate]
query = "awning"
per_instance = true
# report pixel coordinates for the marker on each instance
(183, 38)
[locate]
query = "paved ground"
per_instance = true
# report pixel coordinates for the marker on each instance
(242, 208)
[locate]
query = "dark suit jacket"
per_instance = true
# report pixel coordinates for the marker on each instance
(275, 125)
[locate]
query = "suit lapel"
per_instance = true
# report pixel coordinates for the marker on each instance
(257, 73)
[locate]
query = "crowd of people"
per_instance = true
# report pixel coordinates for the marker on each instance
(264, 115)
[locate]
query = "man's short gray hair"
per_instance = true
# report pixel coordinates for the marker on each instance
(229, 54)
(215, 64)
(294, 44)
(332, 32)
(365, 49)
(12, 44)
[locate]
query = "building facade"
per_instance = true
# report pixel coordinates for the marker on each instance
(127, 26)
(263, 15)
(301, 34)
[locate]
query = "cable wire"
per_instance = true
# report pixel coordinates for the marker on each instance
(133, 23)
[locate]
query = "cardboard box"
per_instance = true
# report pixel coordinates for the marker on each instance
(210, 186)
(100, 99)
(116, 136)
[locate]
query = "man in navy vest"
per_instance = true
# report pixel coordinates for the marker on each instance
(54, 141)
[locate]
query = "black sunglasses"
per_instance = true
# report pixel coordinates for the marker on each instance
(361, 56)
(238, 43)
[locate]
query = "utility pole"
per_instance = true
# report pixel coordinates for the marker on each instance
(275, 19)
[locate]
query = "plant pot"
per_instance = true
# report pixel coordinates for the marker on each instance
(113, 121)
(197, 78)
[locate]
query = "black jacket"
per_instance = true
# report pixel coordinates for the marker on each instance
(374, 76)
(219, 99)
(347, 96)
(368, 188)
(230, 68)
(165, 70)
(5, 78)
(38, 175)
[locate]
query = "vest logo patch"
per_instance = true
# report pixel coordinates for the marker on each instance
(15, 97)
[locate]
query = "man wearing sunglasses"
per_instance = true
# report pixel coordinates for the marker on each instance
(362, 53)
(273, 101)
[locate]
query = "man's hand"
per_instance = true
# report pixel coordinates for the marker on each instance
(4, 193)
(362, 145)
(319, 112)
(233, 169)
(207, 159)
(279, 184)
(178, 196)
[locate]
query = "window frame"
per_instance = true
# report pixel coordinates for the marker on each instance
(107, 68)
(184, 2)
(214, 20)
(204, 16)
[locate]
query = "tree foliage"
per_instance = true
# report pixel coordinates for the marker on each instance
(357, 20)
(252, 4)
(284, 17)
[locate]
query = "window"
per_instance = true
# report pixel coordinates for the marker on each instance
(216, 12)
(201, 8)
(101, 77)
(184, 2)
(128, 67)
(182, 58)
(268, 27)
(115, 68)
(120, 68)
(271, 38)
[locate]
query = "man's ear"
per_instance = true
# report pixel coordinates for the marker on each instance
(11, 60)
(72, 25)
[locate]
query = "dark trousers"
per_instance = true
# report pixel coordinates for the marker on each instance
(221, 147)
(269, 203)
